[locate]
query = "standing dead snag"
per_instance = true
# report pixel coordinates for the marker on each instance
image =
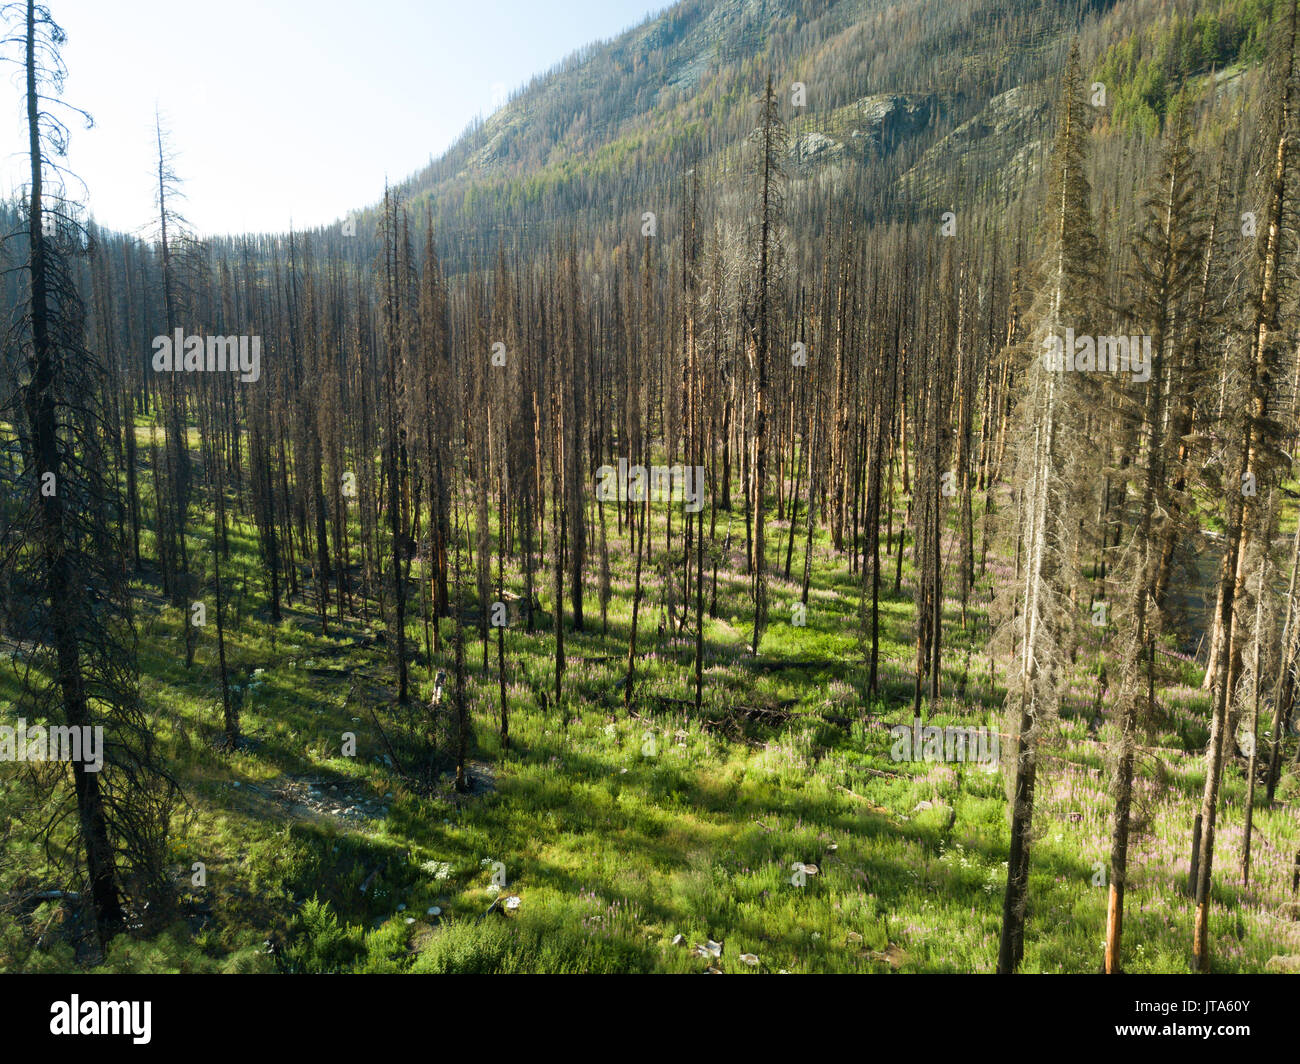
(394, 265)
(641, 520)
(1284, 686)
(1163, 281)
(67, 548)
(558, 525)
(52, 317)
(1045, 459)
(695, 415)
(1255, 456)
(459, 533)
(933, 383)
(770, 140)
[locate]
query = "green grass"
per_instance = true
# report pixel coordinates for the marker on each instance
(619, 831)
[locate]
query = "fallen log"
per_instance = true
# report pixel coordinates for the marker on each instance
(771, 664)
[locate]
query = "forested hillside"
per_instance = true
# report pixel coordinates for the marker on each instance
(804, 486)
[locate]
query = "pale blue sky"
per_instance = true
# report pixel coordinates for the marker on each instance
(288, 109)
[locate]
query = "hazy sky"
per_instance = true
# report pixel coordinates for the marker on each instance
(283, 110)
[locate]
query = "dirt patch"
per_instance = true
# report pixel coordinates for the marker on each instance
(482, 780)
(311, 798)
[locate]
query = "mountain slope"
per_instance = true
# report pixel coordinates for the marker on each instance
(911, 101)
